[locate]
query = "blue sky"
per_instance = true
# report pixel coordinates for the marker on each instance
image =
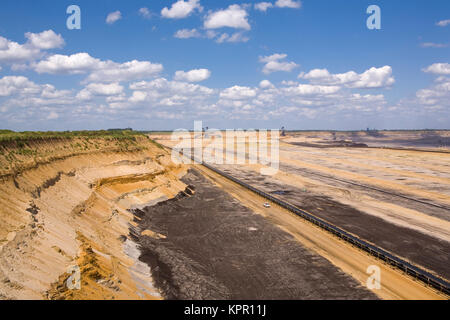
(310, 64)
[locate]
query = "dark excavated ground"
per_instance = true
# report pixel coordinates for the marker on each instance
(215, 248)
(417, 247)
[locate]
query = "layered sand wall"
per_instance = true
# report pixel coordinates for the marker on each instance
(64, 207)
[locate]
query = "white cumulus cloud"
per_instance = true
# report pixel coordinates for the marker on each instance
(45, 40)
(235, 16)
(113, 17)
(61, 64)
(18, 54)
(288, 4)
(438, 68)
(187, 33)
(443, 23)
(10, 85)
(266, 84)
(181, 9)
(162, 92)
(22, 93)
(131, 70)
(236, 37)
(263, 6)
(275, 62)
(238, 93)
(438, 94)
(138, 96)
(371, 78)
(13, 52)
(195, 75)
(105, 89)
(99, 71)
(145, 13)
(309, 89)
(100, 89)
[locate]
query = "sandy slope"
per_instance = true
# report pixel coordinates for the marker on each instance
(77, 216)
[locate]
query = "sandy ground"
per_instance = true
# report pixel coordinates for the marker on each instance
(323, 179)
(437, 140)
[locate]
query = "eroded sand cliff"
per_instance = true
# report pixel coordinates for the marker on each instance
(64, 205)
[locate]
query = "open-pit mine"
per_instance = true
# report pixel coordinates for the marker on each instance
(110, 215)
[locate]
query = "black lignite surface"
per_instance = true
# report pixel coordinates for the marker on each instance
(419, 248)
(218, 249)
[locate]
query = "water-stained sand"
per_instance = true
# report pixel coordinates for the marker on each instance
(212, 247)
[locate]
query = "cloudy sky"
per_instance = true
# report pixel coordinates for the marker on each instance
(154, 64)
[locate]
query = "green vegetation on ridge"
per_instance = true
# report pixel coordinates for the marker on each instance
(12, 136)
